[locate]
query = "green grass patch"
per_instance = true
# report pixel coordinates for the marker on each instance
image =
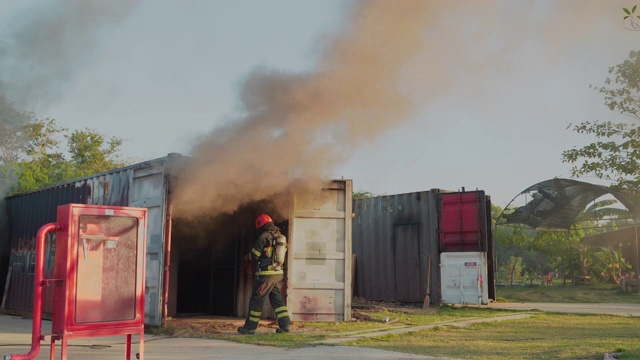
(542, 336)
(411, 318)
(595, 293)
(291, 341)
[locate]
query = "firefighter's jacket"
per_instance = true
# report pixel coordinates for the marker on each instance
(262, 251)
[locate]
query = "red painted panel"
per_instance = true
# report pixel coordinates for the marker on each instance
(99, 267)
(461, 221)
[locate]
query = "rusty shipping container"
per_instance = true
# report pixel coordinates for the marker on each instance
(396, 238)
(192, 265)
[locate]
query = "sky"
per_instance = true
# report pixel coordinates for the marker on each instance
(399, 96)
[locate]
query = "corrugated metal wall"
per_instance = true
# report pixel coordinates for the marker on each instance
(28, 212)
(393, 237)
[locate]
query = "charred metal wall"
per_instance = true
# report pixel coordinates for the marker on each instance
(393, 238)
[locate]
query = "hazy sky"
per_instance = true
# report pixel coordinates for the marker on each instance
(493, 85)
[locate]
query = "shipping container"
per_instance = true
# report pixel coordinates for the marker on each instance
(194, 266)
(398, 240)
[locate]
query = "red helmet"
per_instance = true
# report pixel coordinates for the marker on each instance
(262, 220)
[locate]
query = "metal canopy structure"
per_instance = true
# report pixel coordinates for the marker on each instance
(556, 203)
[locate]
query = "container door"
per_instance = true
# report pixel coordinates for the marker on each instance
(464, 275)
(462, 225)
(149, 192)
(319, 256)
(407, 262)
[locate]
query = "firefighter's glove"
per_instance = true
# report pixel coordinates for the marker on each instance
(248, 264)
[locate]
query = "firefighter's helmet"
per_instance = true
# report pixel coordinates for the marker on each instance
(262, 220)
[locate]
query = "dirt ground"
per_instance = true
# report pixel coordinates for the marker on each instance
(186, 324)
(362, 310)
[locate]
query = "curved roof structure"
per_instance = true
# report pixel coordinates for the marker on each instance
(556, 203)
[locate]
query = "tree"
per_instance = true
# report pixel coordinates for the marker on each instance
(12, 136)
(534, 264)
(511, 244)
(40, 161)
(12, 142)
(91, 153)
(363, 195)
(510, 270)
(609, 264)
(616, 156)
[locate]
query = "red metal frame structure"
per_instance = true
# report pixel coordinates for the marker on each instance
(98, 278)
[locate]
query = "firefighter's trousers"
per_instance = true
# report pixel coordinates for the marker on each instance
(267, 285)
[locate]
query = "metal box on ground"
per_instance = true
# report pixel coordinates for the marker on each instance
(99, 270)
(464, 278)
(98, 279)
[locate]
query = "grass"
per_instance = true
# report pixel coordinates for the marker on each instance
(595, 293)
(541, 336)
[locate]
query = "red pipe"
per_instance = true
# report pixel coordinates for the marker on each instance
(39, 283)
(167, 258)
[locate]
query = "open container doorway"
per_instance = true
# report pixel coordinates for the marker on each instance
(208, 272)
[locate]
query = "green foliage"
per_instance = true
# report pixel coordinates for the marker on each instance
(616, 155)
(363, 195)
(630, 17)
(526, 254)
(510, 271)
(12, 136)
(629, 13)
(40, 164)
(603, 209)
(534, 263)
(610, 265)
(36, 160)
(91, 153)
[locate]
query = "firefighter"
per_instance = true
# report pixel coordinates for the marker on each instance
(269, 276)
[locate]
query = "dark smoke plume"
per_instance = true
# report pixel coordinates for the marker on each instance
(390, 56)
(44, 49)
(300, 126)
